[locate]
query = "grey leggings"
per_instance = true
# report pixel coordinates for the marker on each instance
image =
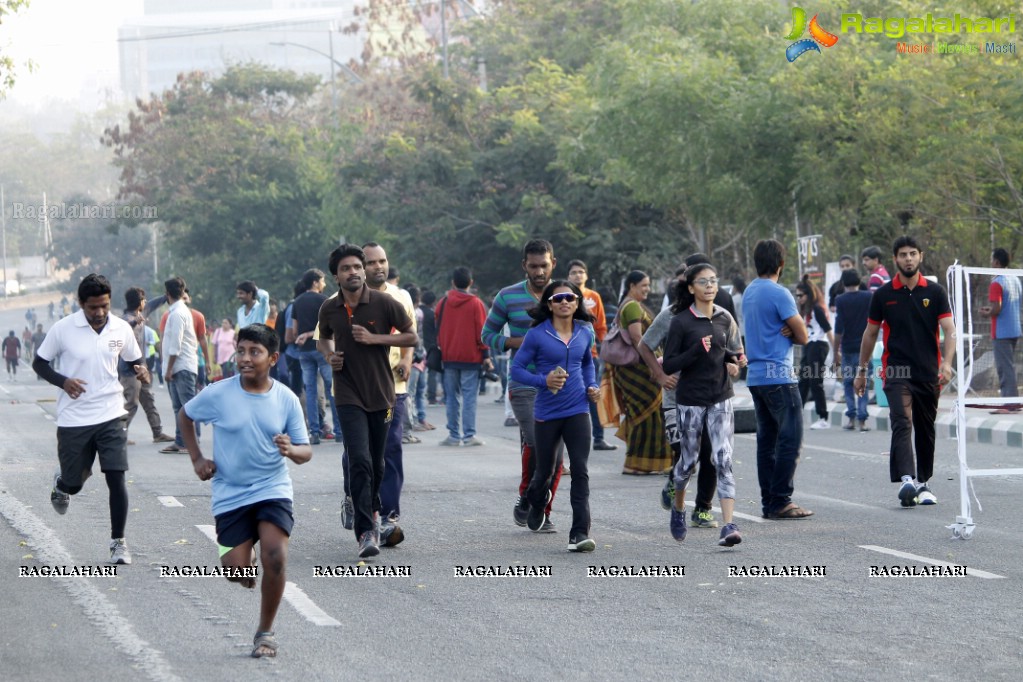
(720, 424)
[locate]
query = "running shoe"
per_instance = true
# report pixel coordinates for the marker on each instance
(451, 442)
(368, 545)
(668, 494)
(821, 424)
(537, 515)
(678, 524)
(924, 496)
(391, 533)
(581, 543)
(348, 513)
(702, 518)
(603, 445)
(58, 498)
(521, 511)
(730, 535)
(907, 494)
(119, 553)
(548, 526)
(511, 421)
(475, 441)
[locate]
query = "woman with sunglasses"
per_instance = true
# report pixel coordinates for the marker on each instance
(703, 344)
(556, 357)
(814, 361)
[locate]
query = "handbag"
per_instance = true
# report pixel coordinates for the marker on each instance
(617, 348)
(434, 358)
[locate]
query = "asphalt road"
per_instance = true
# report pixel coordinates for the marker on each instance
(432, 624)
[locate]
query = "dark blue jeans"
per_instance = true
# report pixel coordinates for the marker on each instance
(181, 387)
(779, 436)
(394, 472)
(363, 461)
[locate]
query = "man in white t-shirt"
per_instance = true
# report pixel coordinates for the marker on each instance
(180, 355)
(91, 419)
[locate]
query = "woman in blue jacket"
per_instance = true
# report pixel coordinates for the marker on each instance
(556, 357)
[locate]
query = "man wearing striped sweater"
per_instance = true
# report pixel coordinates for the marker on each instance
(511, 306)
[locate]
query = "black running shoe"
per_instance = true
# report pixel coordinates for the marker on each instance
(537, 515)
(521, 510)
(368, 545)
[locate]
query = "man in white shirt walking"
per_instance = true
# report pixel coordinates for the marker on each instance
(180, 355)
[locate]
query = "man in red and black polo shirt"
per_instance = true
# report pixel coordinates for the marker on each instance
(910, 310)
(355, 336)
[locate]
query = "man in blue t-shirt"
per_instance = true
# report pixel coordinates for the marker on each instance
(257, 423)
(773, 324)
(851, 310)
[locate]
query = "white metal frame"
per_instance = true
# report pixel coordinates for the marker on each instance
(958, 283)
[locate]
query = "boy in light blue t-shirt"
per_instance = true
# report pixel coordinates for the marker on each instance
(257, 423)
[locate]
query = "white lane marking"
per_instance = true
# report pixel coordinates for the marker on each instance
(810, 446)
(748, 517)
(934, 562)
(305, 606)
(169, 501)
(825, 498)
(97, 608)
(292, 593)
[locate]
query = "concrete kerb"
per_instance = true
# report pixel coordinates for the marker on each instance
(981, 426)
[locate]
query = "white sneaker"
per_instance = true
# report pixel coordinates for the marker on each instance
(119, 553)
(925, 497)
(821, 424)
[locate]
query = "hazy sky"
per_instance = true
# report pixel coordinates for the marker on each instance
(73, 44)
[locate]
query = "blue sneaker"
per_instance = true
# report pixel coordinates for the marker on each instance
(907, 494)
(668, 494)
(678, 524)
(730, 535)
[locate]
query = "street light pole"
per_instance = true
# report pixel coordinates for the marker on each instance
(351, 75)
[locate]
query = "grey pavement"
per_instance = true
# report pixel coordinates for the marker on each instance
(457, 506)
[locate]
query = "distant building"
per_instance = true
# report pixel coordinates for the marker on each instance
(175, 36)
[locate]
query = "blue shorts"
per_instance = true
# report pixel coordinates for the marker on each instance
(242, 524)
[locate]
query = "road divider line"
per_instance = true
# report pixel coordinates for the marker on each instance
(293, 594)
(103, 614)
(169, 501)
(748, 517)
(934, 562)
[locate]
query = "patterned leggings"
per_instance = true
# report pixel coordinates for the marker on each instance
(720, 423)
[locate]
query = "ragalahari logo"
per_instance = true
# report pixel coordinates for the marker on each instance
(817, 35)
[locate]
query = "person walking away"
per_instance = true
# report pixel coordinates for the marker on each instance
(462, 316)
(851, 310)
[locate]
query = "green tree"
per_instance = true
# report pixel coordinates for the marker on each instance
(233, 168)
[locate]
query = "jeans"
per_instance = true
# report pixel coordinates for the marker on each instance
(363, 461)
(417, 397)
(1004, 350)
(779, 437)
(136, 393)
(294, 374)
(181, 387)
(460, 394)
(912, 408)
(394, 472)
(855, 406)
(522, 399)
(574, 431)
(314, 363)
(431, 386)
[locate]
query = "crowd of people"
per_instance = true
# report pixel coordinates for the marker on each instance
(572, 364)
